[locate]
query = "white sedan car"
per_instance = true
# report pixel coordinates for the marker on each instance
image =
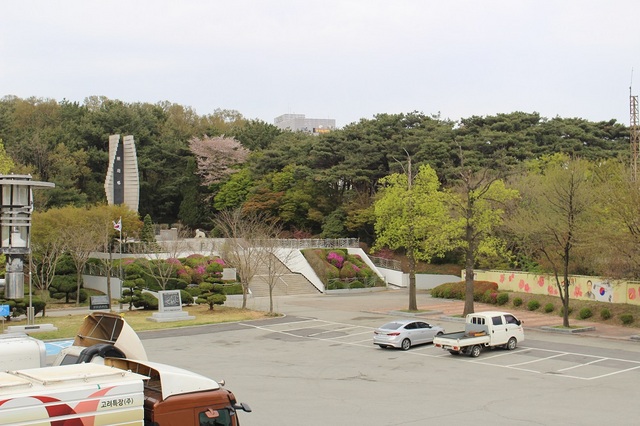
(405, 333)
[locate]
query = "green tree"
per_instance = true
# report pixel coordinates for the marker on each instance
(411, 214)
(555, 216)
(233, 193)
(147, 234)
(195, 208)
(6, 163)
(478, 208)
(79, 232)
(211, 294)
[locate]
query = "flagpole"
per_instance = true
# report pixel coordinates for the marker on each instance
(120, 274)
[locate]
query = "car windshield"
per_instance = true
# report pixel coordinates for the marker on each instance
(392, 326)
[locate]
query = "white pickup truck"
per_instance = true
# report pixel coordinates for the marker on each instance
(482, 330)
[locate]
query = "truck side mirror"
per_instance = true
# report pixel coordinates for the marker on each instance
(242, 406)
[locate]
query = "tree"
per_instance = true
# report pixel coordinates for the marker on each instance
(147, 234)
(274, 257)
(79, 232)
(103, 218)
(411, 214)
(555, 216)
(217, 157)
(195, 207)
(242, 247)
(48, 245)
(616, 239)
(211, 294)
(6, 163)
(477, 208)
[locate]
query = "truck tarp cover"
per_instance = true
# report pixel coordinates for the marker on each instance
(106, 327)
(169, 379)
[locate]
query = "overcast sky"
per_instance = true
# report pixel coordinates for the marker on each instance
(338, 59)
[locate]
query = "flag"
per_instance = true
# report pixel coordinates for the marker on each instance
(117, 225)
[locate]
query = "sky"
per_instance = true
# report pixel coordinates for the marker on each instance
(342, 59)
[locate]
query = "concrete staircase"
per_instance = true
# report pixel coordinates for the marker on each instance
(288, 283)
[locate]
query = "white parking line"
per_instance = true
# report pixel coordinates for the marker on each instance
(341, 327)
(583, 365)
(536, 360)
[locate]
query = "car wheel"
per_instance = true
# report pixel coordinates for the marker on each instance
(406, 344)
(383, 346)
(474, 352)
(512, 343)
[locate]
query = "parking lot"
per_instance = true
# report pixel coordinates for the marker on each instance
(569, 364)
(318, 366)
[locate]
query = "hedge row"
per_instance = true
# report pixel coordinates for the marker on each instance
(483, 291)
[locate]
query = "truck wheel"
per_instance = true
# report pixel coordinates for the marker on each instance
(512, 343)
(452, 352)
(406, 344)
(474, 352)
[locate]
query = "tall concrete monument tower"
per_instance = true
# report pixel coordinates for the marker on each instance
(122, 184)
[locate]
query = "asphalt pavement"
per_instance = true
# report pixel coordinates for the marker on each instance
(396, 302)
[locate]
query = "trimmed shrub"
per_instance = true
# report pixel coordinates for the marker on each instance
(502, 298)
(186, 297)
(335, 285)
(490, 296)
(349, 270)
(533, 305)
(517, 301)
(457, 290)
(233, 288)
(570, 310)
(605, 314)
(549, 307)
(356, 284)
(626, 319)
(147, 301)
(585, 313)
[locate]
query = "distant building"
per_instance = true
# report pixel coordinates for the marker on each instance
(122, 185)
(299, 123)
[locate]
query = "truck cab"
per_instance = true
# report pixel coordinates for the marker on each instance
(500, 326)
(173, 396)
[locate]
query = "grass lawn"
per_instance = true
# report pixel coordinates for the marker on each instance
(68, 325)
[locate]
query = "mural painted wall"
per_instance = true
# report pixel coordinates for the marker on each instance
(580, 287)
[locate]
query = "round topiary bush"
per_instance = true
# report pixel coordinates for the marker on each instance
(585, 313)
(549, 307)
(605, 314)
(533, 305)
(517, 301)
(626, 319)
(502, 298)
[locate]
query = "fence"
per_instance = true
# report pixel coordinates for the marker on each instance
(348, 283)
(325, 243)
(382, 262)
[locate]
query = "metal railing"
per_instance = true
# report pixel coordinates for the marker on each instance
(346, 283)
(382, 262)
(327, 243)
